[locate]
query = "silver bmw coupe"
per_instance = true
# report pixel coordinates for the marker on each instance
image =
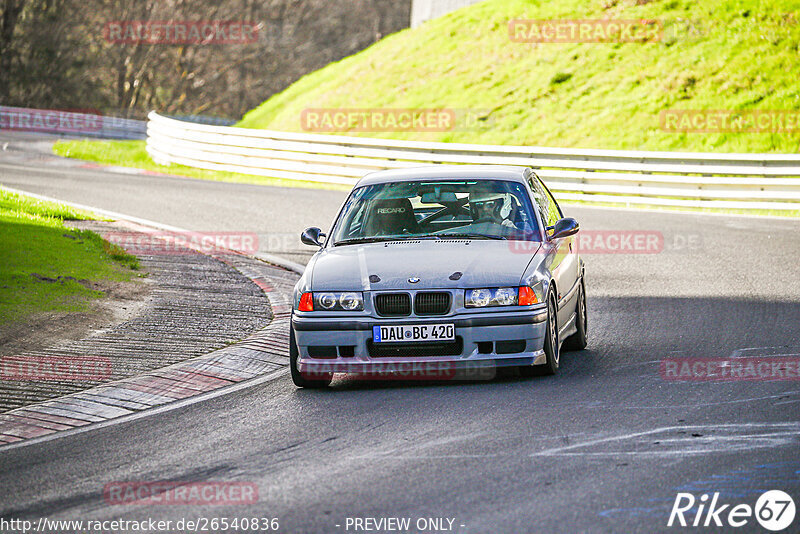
(437, 269)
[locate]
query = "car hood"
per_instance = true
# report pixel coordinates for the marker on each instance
(481, 264)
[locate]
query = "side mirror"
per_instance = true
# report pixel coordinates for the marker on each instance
(312, 236)
(564, 228)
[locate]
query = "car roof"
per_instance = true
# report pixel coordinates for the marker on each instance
(448, 172)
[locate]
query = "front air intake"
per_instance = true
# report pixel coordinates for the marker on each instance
(393, 304)
(432, 303)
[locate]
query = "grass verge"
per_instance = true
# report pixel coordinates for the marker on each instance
(46, 266)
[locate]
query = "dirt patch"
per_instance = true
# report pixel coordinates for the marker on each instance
(123, 301)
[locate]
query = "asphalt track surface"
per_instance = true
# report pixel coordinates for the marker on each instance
(604, 446)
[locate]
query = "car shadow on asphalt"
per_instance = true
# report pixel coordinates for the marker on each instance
(632, 335)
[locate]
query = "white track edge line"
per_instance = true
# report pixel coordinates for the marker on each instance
(147, 412)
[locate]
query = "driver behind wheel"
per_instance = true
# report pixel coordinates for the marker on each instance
(492, 207)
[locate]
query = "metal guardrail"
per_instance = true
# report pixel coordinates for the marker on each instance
(424, 10)
(71, 123)
(681, 179)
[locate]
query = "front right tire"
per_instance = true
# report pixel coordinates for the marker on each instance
(551, 344)
(578, 340)
(300, 380)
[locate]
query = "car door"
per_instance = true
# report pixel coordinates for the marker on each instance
(565, 265)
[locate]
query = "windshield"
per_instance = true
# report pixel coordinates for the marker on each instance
(476, 209)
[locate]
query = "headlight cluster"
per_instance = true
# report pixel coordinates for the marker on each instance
(332, 301)
(502, 296)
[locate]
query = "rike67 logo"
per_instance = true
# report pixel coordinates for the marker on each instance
(774, 510)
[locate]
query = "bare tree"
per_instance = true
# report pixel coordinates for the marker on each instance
(57, 53)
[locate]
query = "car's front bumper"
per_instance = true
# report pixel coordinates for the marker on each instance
(485, 340)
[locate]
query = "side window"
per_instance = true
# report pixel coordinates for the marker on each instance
(553, 209)
(543, 201)
(353, 219)
(356, 222)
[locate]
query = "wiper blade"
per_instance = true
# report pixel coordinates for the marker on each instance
(356, 240)
(473, 236)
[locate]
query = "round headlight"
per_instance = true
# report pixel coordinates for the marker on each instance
(480, 297)
(506, 296)
(349, 301)
(327, 300)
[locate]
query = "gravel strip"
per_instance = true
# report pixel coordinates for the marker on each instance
(200, 303)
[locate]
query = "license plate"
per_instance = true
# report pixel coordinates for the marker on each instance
(417, 332)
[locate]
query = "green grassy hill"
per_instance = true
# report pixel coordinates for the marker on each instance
(715, 55)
